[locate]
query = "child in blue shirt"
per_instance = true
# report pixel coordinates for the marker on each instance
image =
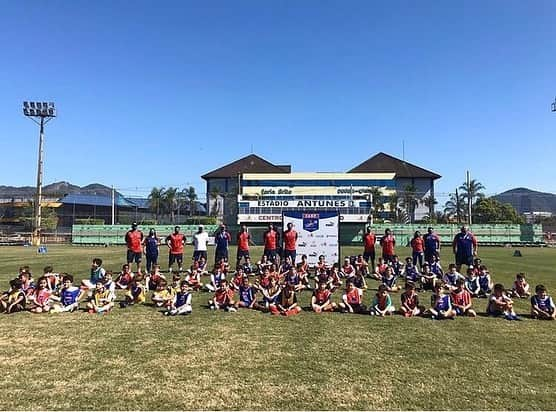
(69, 298)
(542, 305)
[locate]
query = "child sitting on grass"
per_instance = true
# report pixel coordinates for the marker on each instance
(247, 295)
(485, 282)
(97, 273)
(287, 303)
(521, 287)
(223, 298)
(152, 278)
(389, 280)
(14, 299)
(451, 277)
(52, 278)
(461, 300)
(320, 301)
(181, 305)
(542, 305)
(441, 304)
(382, 303)
(103, 300)
(69, 298)
(428, 279)
(410, 302)
(135, 293)
(500, 304)
(472, 283)
(162, 296)
(41, 298)
(124, 278)
(351, 300)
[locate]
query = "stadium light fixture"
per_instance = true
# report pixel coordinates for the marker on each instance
(41, 113)
(554, 105)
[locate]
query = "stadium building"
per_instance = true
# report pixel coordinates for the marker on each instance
(254, 191)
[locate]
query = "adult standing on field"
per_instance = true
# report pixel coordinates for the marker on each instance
(243, 239)
(369, 240)
(150, 245)
(432, 245)
(465, 247)
(290, 242)
(175, 242)
(133, 239)
(388, 242)
(271, 239)
(418, 249)
(222, 240)
(200, 241)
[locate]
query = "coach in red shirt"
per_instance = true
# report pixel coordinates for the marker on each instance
(388, 241)
(175, 242)
(290, 241)
(271, 239)
(243, 239)
(133, 239)
(369, 240)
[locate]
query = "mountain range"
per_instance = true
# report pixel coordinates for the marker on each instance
(54, 190)
(527, 200)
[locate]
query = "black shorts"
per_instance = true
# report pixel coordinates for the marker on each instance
(290, 253)
(388, 258)
(270, 254)
(369, 256)
(219, 254)
(175, 257)
(198, 254)
(242, 254)
(133, 256)
(464, 260)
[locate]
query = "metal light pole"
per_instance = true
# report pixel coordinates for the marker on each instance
(45, 112)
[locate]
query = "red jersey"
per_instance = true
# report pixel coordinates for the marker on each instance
(270, 239)
(223, 296)
(462, 298)
(176, 243)
(369, 241)
(417, 244)
(321, 296)
(243, 239)
(353, 297)
(133, 240)
(388, 243)
(290, 237)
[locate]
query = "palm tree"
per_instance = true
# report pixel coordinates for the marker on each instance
(170, 200)
(409, 201)
(191, 197)
(455, 207)
(155, 201)
(393, 206)
(472, 192)
(214, 195)
(377, 201)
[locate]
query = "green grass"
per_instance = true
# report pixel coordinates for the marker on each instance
(138, 359)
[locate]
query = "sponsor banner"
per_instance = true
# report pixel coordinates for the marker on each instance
(317, 234)
(261, 218)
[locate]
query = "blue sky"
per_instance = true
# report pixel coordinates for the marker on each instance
(159, 93)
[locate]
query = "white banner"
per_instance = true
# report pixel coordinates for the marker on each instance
(317, 234)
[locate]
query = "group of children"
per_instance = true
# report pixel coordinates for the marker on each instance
(273, 288)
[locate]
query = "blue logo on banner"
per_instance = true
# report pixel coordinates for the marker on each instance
(311, 222)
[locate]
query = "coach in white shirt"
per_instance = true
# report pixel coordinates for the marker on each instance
(200, 240)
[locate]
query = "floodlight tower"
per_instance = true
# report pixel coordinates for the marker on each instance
(554, 105)
(45, 112)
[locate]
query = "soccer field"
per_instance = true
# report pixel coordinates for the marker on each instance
(135, 358)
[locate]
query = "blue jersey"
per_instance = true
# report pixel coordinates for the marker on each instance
(151, 246)
(246, 294)
(443, 303)
(390, 282)
(411, 274)
(464, 244)
(431, 242)
(484, 281)
(217, 278)
(437, 269)
(69, 296)
(397, 266)
(472, 285)
(222, 240)
(546, 304)
(181, 298)
(292, 279)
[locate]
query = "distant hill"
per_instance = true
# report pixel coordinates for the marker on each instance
(58, 190)
(526, 200)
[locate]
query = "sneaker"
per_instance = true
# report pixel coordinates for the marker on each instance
(232, 310)
(167, 313)
(515, 317)
(508, 317)
(433, 317)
